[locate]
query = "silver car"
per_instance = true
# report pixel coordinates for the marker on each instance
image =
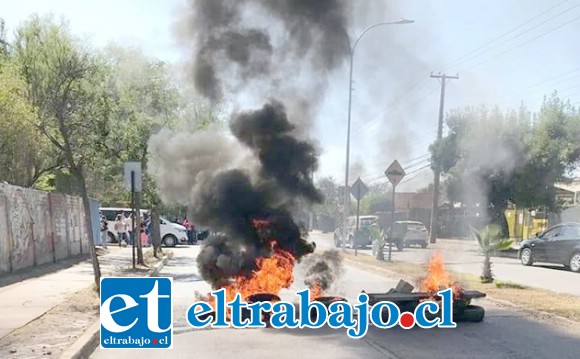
(408, 233)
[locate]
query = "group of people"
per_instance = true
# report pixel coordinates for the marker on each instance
(190, 227)
(123, 226)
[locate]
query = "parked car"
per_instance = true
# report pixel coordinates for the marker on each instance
(409, 233)
(172, 234)
(405, 234)
(559, 244)
(360, 239)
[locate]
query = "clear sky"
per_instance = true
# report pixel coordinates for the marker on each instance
(395, 103)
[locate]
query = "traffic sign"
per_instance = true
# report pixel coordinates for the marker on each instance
(395, 173)
(359, 189)
(133, 182)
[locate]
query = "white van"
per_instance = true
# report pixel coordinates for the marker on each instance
(172, 234)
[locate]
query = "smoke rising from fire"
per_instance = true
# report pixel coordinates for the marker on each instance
(228, 197)
(246, 51)
(322, 269)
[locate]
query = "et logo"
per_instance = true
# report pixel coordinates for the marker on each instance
(136, 313)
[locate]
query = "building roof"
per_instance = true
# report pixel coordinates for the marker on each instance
(573, 187)
(413, 200)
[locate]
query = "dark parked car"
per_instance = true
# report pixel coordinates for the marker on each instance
(560, 244)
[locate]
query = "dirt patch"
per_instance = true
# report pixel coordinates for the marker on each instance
(528, 298)
(141, 270)
(55, 331)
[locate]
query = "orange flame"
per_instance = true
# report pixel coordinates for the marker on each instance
(315, 291)
(274, 273)
(437, 277)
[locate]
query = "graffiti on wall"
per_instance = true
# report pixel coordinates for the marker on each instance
(21, 228)
(40, 227)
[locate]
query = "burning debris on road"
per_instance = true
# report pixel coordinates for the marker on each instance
(437, 279)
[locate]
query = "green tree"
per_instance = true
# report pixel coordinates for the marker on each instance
(144, 100)
(373, 203)
(552, 153)
(24, 157)
(492, 158)
(330, 208)
(66, 84)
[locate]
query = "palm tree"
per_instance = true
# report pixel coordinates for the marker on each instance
(378, 236)
(490, 241)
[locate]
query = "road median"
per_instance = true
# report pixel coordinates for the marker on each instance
(539, 302)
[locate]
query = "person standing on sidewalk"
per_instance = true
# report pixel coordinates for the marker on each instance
(104, 231)
(190, 233)
(121, 229)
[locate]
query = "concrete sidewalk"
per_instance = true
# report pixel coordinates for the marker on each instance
(26, 300)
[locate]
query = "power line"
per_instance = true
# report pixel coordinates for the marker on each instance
(383, 177)
(525, 43)
(469, 56)
(373, 124)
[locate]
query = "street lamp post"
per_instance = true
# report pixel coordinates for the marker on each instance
(351, 53)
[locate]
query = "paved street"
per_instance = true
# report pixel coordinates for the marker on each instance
(463, 256)
(503, 334)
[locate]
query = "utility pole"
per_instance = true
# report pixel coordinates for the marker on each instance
(434, 209)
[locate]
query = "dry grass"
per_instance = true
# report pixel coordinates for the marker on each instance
(140, 270)
(533, 299)
(149, 259)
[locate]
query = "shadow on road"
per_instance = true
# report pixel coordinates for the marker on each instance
(498, 336)
(39, 271)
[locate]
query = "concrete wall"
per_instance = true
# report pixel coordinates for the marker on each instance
(38, 227)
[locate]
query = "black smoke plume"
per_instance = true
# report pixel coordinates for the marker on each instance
(323, 269)
(231, 201)
(237, 41)
(250, 50)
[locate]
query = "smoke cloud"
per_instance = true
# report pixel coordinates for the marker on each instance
(245, 53)
(323, 269)
(262, 175)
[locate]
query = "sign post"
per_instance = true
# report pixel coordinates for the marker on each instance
(395, 174)
(358, 190)
(133, 184)
(343, 193)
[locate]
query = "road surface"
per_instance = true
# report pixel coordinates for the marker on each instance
(503, 334)
(464, 257)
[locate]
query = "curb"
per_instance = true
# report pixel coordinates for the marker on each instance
(84, 346)
(499, 302)
(154, 271)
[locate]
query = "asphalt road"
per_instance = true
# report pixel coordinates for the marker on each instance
(464, 257)
(504, 333)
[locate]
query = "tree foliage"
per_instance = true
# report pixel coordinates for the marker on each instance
(491, 158)
(65, 84)
(24, 157)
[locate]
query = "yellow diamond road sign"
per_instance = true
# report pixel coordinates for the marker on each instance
(395, 173)
(359, 189)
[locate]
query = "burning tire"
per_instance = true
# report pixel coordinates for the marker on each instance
(472, 314)
(326, 301)
(260, 297)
